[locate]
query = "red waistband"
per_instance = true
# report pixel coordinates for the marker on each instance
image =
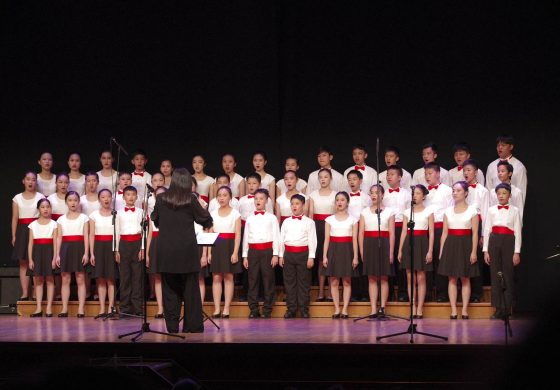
(130, 237)
(375, 233)
(438, 225)
(502, 230)
(419, 232)
(460, 232)
(341, 239)
(26, 221)
(227, 236)
(72, 238)
(398, 224)
(205, 198)
(43, 241)
(261, 246)
(55, 217)
(296, 249)
(320, 217)
(103, 237)
(155, 233)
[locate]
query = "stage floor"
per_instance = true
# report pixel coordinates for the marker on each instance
(263, 331)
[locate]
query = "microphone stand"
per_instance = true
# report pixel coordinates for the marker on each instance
(145, 327)
(507, 325)
(412, 326)
(113, 313)
(379, 316)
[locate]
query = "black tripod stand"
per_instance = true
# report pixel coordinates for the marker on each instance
(507, 326)
(412, 326)
(145, 328)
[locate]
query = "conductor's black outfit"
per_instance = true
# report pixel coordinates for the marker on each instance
(179, 262)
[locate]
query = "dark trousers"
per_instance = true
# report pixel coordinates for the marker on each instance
(500, 249)
(130, 270)
(260, 270)
(441, 282)
(177, 288)
(297, 280)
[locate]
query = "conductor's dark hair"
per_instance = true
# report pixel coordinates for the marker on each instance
(104, 190)
(262, 191)
(139, 152)
(422, 188)
(431, 145)
(293, 172)
(394, 149)
(325, 170)
(324, 149)
(227, 189)
(254, 175)
(506, 164)
(299, 197)
(395, 168)
(355, 172)
(343, 193)
(71, 193)
(462, 146)
(506, 139)
(180, 192)
(359, 147)
(432, 165)
(41, 201)
(262, 153)
(504, 186)
(472, 163)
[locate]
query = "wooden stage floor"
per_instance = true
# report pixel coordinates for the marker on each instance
(274, 330)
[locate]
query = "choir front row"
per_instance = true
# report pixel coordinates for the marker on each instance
(343, 234)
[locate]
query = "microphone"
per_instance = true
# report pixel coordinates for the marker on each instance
(113, 139)
(501, 280)
(150, 188)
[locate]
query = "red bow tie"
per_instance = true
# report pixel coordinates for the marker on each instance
(259, 212)
(130, 209)
(394, 190)
(503, 207)
(139, 174)
(358, 168)
(433, 187)
(250, 196)
(355, 193)
(297, 217)
(460, 168)
(120, 192)
(472, 185)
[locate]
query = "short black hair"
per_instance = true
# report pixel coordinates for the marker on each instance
(290, 171)
(506, 139)
(324, 149)
(430, 145)
(140, 152)
(395, 168)
(359, 147)
(506, 164)
(223, 175)
(262, 153)
(254, 175)
(432, 165)
(504, 186)
(355, 172)
(262, 191)
(463, 146)
(299, 197)
(130, 188)
(394, 149)
(472, 162)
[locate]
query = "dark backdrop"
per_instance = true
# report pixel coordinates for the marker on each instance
(178, 78)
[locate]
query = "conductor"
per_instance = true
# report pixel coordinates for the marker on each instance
(175, 212)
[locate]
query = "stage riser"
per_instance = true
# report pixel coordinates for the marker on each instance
(316, 309)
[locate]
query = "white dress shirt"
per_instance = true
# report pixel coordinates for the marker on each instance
(247, 206)
(261, 228)
(419, 177)
(369, 177)
(406, 179)
(338, 182)
(358, 201)
(456, 174)
(517, 199)
(518, 179)
(298, 232)
(504, 217)
(439, 199)
(397, 199)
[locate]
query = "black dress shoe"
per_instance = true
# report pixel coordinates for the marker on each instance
(464, 317)
(336, 316)
(254, 314)
(62, 315)
(100, 315)
(329, 299)
(79, 315)
(322, 299)
(214, 316)
(48, 315)
(267, 315)
(381, 312)
(193, 331)
(159, 316)
(474, 300)
(40, 314)
(344, 316)
(305, 314)
(289, 314)
(225, 316)
(418, 317)
(453, 317)
(442, 300)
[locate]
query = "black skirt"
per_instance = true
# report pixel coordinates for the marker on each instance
(221, 258)
(71, 254)
(105, 264)
(42, 259)
(373, 265)
(320, 231)
(421, 246)
(455, 258)
(22, 240)
(153, 269)
(204, 271)
(340, 255)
